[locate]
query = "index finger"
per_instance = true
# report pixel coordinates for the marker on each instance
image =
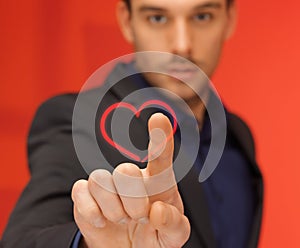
(161, 144)
(159, 176)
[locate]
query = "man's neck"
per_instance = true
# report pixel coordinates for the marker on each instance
(198, 107)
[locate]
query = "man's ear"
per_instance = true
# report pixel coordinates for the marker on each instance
(123, 17)
(232, 20)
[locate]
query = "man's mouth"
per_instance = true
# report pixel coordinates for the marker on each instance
(182, 72)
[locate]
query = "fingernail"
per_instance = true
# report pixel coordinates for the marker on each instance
(143, 220)
(124, 221)
(99, 222)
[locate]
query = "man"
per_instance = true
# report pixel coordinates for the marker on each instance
(224, 212)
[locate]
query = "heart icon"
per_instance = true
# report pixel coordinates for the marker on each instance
(137, 113)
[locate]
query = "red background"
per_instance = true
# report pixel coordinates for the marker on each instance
(51, 46)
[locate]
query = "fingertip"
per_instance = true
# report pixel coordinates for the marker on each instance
(128, 169)
(158, 115)
(79, 187)
(100, 174)
(101, 178)
(161, 144)
(159, 120)
(128, 180)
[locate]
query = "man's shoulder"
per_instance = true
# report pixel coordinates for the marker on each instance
(62, 105)
(57, 109)
(65, 98)
(236, 121)
(242, 133)
(58, 103)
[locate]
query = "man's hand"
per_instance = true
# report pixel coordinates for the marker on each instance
(120, 210)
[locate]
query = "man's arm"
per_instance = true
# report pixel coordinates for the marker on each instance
(43, 215)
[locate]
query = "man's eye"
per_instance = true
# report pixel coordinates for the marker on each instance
(157, 19)
(203, 17)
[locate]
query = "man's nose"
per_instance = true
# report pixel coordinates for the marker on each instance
(181, 39)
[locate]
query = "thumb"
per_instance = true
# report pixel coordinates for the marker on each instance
(172, 226)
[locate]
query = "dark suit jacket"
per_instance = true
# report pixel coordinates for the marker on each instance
(43, 215)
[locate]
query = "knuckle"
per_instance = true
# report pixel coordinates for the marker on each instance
(114, 216)
(89, 213)
(137, 212)
(112, 213)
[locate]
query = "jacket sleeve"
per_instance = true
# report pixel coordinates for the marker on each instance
(43, 216)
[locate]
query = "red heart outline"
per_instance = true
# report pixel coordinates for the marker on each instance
(137, 113)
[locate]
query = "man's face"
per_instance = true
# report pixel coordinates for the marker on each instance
(192, 29)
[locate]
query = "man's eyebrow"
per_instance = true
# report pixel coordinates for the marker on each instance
(214, 5)
(145, 8)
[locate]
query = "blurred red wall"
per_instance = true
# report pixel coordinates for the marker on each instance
(52, 46)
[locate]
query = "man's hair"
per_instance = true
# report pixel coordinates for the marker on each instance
(229, 2)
